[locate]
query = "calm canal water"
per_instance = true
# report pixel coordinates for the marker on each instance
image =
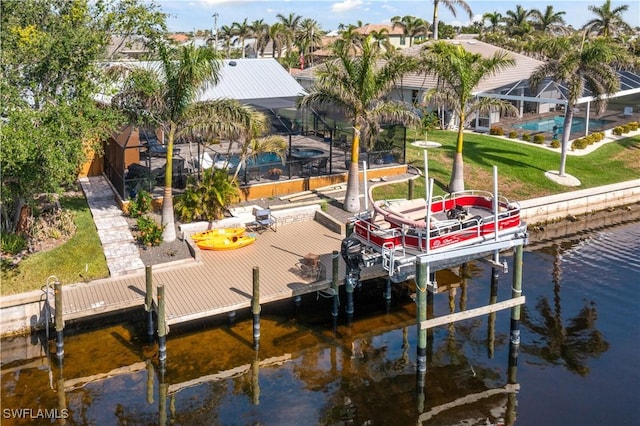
(577, 365)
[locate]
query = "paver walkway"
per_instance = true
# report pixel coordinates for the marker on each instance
(119, 247)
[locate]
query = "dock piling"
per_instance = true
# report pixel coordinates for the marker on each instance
(516, 291)
(255, 307)
(59, 320)
(148, 300)
(334, 283)
(493, 298)
(162, 325)
(411, 190)
(422, 273)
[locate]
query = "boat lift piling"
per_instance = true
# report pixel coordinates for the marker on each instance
(255, 307)
(422, 274)
(516, 292)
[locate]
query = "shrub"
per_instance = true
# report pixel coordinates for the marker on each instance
(140, 205)
(539, 139)
(634, 125)
(513, 134)
(626, 128)
(207, 199)
(56, 224)
(526, 137)
(579, 144)
(598, 136)
(555, 143)
(589, 139)
(496, 131)
(149, 232)
(13, 243)
(617, 130)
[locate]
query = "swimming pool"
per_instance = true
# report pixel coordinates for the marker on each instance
(258, 160)
(547, 124)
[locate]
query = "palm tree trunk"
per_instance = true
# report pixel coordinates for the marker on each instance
(566, 133)
(168, 221)
(457, 174)
(434, 28)
(352, 197)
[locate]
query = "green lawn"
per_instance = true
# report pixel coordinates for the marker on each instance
(521, 167)
(79, 259)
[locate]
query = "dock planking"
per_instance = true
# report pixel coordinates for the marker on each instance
(222, 281)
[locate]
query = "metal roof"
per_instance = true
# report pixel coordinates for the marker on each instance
(249, 80)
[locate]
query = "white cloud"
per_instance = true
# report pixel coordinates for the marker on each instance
(345, 6)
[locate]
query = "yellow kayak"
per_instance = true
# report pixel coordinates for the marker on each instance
(226, 242)
(219, 232)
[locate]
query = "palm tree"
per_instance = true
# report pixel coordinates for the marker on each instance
(350, 40)
(241, 31)
(495, 18)
(226, 37)
(518, 21)
(277, 33)
(359, 87)
(458, 72)
(291, 24)
(609, 22)
(166, 97)
(590, 64)
(451, 5)
(411, 26)
(260, 31)
(309, 37)
(549, 21)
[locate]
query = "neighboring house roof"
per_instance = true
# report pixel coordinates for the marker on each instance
(391, 30)
(260, 82)
(125, 46)
(178, 38)
(522, 69)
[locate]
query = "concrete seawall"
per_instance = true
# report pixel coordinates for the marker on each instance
(576, 203)
(24, 313)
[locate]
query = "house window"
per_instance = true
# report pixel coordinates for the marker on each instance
(415, 99)
(403, 40)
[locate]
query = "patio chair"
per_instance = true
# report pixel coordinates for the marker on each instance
(264, 220)
(320, 165)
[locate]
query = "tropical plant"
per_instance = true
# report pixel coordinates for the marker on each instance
(517, 21)
(359, 87)
(277, 33)
(549, 21)
(495, 18)
(149, 232)
(411, 26)
(308, 38)
(208, 198)
(608, 22)
(458, 72)
(260, 31)
(225, 34)
(166, 98)
(140, 205)
(290, 24)
(591, 64)
(241, 31)
(451, 6)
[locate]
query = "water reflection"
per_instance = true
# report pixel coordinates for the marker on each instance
(307, 372)
(571, 344)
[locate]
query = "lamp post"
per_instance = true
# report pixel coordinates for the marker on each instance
(215, 28)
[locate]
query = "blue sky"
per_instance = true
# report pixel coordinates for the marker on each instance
(187, 15)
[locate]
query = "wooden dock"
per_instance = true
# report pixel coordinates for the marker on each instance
(222, 281)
